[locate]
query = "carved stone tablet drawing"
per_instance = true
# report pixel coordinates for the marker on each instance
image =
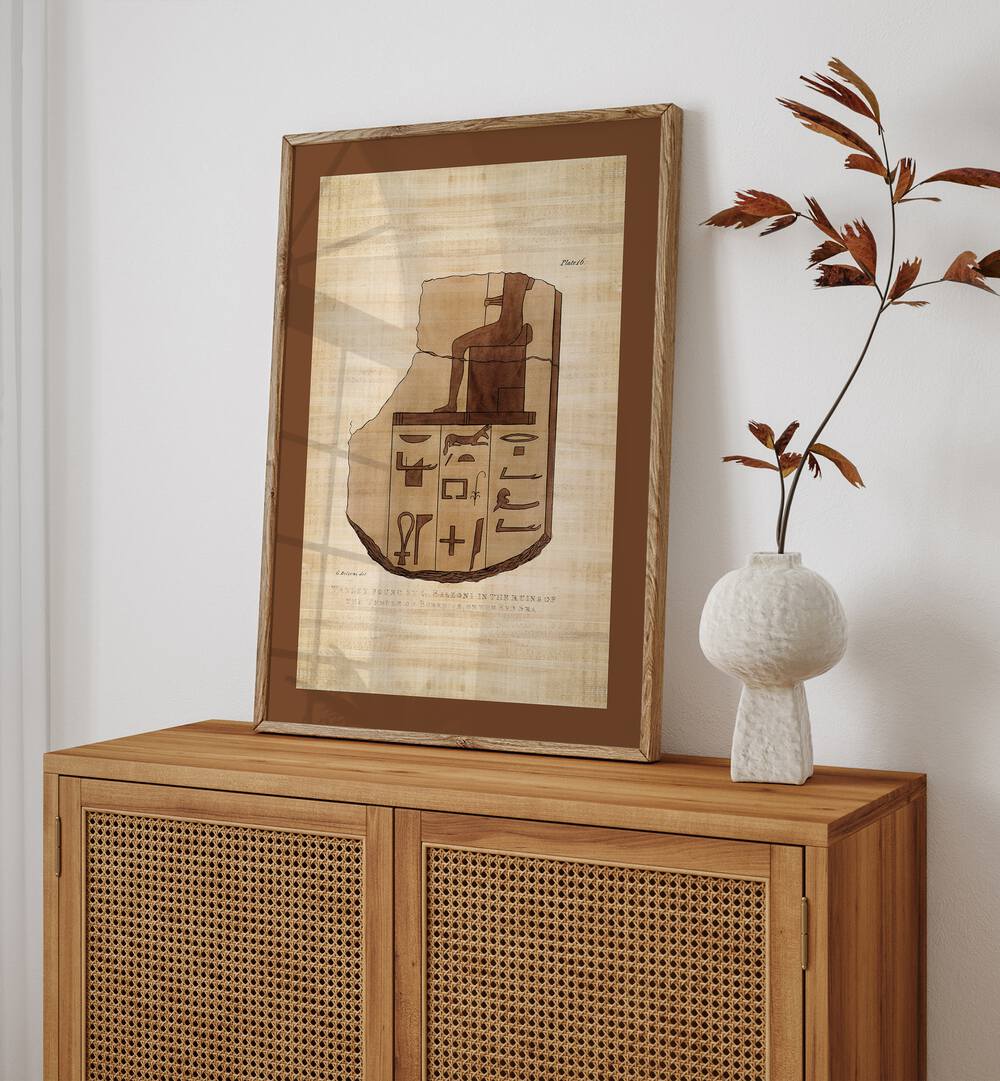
(452, 479)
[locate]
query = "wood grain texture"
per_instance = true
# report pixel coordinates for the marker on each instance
(785, 976)
(632, 848)
(379, 915)
(472, 743)
(70, 933)
(493, 123)
(408, 1056)
(866, 986)
(661, 400)
(273, 437)
(675, 795)
(307, 816)
(50, 932)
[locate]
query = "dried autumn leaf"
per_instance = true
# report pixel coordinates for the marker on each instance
(750, 208)
(820, 220)
(989, 265)
(762, 432)
(906, 171)
(732, 216)
(839, 68)
(913, 303)
(973, 178)
(905, 277)
(813, 462)
(819, 122)
(823, 84)
(762, 203)
(841, 274)
(965, 270)
(921, 198)
(866, 164)
(789, 463)
(781, 443)
(860, 242)
(843, 463)
(780, 223)
(753, 463)
(826, 250)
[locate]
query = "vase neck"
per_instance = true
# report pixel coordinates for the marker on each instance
(775, 559)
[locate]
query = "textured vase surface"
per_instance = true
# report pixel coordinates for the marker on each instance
(773, 624)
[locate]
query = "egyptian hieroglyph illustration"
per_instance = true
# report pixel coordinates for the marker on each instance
(452, 480)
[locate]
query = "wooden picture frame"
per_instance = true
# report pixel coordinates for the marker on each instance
(560, 229)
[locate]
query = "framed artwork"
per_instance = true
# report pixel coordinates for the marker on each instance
(466, 503)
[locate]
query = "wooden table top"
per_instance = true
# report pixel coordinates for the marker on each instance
(675, 795)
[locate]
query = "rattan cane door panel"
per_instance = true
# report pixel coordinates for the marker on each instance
(577, 954)
(225, 938)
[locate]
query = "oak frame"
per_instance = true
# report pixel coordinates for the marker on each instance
(653, 617)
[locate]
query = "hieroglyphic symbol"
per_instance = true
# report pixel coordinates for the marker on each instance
(462, 487)
(519, 437)
(414, 470)
(404, 538)
(466, 457)
(477, 439)
(504, 475)
(501, 528)
(475, 490)
(413, 438)
(451, 540)
(477, 541)
(504, 503)
(415, 526)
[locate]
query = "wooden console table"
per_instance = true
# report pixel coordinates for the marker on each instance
(229, 906)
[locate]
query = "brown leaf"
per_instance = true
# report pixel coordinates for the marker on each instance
(762, 204)
(844, 464)
(905, 277)
(973, 178)
(813, 462)
(839, 68)
(789, 463)
(866, 164)
(860, 242)
(841, 274)
(906, 171)
(965, 270)
(823, 84)
(762, 432)
(826, 125)
(989, 265)
(753, 463)
(780, 223)
(921, 199)
(826, 250)
(820, 220)
(781, 443)
(732, 216)
(913, 303)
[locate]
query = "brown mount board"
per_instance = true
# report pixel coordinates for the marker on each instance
(508, 373)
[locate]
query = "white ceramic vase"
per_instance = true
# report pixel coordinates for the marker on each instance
(773, 624)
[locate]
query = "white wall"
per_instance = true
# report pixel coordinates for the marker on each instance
(165, 120)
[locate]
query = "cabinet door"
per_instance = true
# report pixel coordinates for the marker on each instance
(543, 952)
(207, 936)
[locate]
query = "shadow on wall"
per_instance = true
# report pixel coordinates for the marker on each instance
(698, 702)
(931, 681)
